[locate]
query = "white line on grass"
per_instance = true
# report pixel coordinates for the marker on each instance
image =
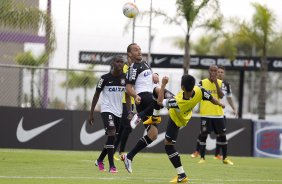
(147, 180)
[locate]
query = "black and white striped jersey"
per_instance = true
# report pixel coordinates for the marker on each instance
(140, 75)
(112, 89)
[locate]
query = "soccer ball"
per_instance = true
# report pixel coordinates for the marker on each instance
(130, 10)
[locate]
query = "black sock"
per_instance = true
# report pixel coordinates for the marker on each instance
(198, 143)
(217, 148)
(141, 144)
(123, 141)
(173, 156)
(102, 155)
(110, 150)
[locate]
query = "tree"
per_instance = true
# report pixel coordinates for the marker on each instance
(194, 14)
(260, 31)
(28, 59)
(17, 15)
(85, 80)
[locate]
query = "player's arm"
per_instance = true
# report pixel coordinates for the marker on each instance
(208, 96)
(168, 103)
(230, 99)
(95, 99)
(131, 92)
(131, 77)
(218, 89)
(128, 103)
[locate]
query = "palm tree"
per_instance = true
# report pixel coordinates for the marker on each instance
(28, 59)
(260, 32)
(85, 80)
(195, 14)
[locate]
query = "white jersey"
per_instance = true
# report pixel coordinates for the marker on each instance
(226, 89)
(140, 75)
(112, 90)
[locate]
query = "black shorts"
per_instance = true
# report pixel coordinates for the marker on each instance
(171, 131)
(110, 121)
(146, 105)
(216, 125)
(125, 122)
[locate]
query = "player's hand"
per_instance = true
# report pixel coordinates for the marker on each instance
(137, 100)
(222, 105)
(91, 120)
(213, 78)
(235, 113)
(164, 80)
(130, 115)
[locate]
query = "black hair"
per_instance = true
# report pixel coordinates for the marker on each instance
(117, 58)
(188, 82)
(221, 67)
(129, 47)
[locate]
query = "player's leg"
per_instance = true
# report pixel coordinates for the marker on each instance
(147, 139)
(196, 153)
(205, 129)
(217, 155)
(220, 129)
(126, 130)
(170, 140)
(100, 161)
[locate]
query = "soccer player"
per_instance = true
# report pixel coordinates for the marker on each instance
(124, 127)
(226, 89)
(212, 116)
(139, 85)
(180, 111)
(112, 86)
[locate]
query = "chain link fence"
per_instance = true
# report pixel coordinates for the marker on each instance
(22, 86)
(28, 78)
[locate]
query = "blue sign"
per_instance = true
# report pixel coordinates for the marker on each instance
(268, 139)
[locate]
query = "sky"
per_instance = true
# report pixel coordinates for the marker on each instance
(99, 25)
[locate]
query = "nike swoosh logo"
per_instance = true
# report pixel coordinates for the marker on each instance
(211, 143)
(106, 59)
(88, 138)
(26, 135)
(158, 61)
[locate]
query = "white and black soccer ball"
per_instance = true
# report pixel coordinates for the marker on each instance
(130, 10)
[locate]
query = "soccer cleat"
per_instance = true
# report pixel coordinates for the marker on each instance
(135, 121)
(116, 158)
(100, 165)
(217, 157)
(153, 120)
(227, 161)
(113, 170)
(149, 121)
(195, 154)
(156, 119)
(127, 163)
(202, 161)
(178, 179)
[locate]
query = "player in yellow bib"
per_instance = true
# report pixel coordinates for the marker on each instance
(212, 116)
(180, 111)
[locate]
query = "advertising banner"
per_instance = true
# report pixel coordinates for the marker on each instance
(69, 130)
(267, 139)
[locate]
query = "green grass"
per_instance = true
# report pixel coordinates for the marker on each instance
(65, 167)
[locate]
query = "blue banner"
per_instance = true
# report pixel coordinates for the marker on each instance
(268, 139)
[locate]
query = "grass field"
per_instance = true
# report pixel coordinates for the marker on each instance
(20, 166)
